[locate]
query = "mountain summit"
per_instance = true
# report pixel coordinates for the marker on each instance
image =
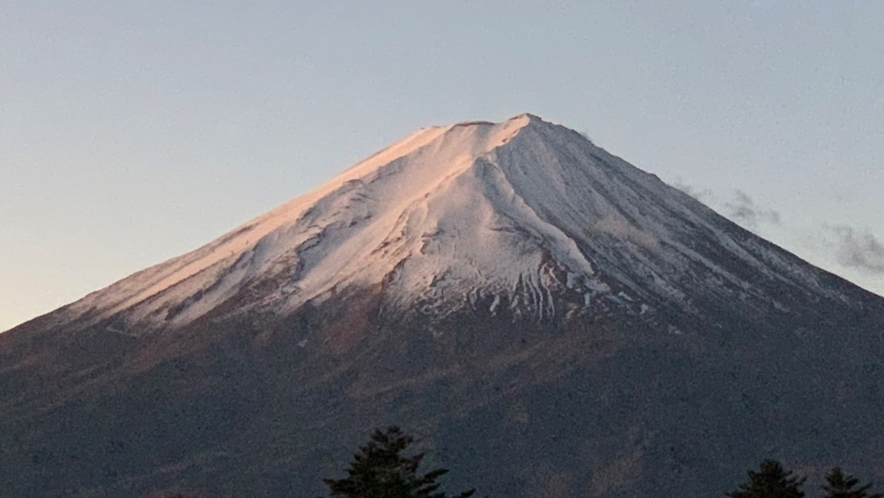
(523, 216)
(551, 320)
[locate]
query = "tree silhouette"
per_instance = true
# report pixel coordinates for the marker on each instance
(380, 470)
(839, 485)
(771, 481)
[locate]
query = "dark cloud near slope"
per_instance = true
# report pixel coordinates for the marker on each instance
(744, 211)
(858, 249)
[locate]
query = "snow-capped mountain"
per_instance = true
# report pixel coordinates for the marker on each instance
(547, 318)
(522, 215)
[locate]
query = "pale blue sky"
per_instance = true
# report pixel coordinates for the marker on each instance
(131, 132)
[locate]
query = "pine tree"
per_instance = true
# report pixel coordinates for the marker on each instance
(771, 481)
(380, 470)
(844, 486)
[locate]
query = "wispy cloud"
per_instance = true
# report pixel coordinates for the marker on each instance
(858, 249)
(744, 211)
(699, 194)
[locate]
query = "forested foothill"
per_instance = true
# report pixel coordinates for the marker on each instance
(385, 468)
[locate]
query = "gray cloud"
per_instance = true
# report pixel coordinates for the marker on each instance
(702, 195)
(858, 249)
(744, 211)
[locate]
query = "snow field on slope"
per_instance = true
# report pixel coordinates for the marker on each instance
(451, 215)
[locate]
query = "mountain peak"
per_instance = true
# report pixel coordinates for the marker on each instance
(487, 282)
(528, 116)
(524, 214)
(513, 123)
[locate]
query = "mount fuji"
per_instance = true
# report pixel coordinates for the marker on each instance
(551, 320)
